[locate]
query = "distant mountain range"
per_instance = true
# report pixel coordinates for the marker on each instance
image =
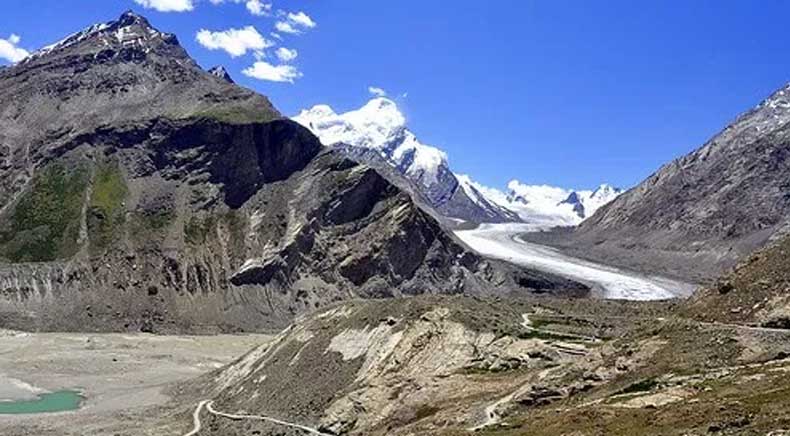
(546, 206)
(381, 128)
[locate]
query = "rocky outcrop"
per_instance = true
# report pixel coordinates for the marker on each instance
(222, 73)
(755, 292)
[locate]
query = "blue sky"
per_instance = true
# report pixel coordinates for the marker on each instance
(569, 93)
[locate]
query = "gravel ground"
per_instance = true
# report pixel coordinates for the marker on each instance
(123, 377)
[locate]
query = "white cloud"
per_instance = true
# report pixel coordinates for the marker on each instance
(286, 54)
(234, 41)
(285, 27)
(276, 35)
(295, 23)
(10, 51)
(167, 5)
(275, 73)
(301, 19)
(256, 7)
(378, 92)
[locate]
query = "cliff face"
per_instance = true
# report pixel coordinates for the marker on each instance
(138, 192)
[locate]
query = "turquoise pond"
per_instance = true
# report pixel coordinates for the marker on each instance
(60, 401)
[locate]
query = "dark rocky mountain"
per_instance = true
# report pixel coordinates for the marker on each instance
(574, 200)
(699, 214)
(222, 73)
(138, 191)
(450, 198)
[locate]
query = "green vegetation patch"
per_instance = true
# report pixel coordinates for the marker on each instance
(235, 114)
(546, 336)
(44, 225)
(154, 219)
(645, 385)
(197, 230)
(106, 214)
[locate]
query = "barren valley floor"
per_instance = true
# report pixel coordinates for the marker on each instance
(123, 377)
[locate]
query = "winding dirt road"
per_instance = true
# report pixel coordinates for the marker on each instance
(209, 406)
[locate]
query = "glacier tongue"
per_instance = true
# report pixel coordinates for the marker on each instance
(502, 241)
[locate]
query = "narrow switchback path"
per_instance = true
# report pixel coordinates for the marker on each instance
(209, 406)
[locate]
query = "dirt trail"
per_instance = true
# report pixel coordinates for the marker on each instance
(209, 405)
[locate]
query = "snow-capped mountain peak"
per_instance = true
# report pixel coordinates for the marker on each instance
(601, 196)
(130, 29)
(379, 126)
(375, 125)
(547, 206)
(606, 191)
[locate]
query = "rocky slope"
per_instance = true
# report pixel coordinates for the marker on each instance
(697, 215)
(394, 365)
(755, 292)
(459, 365)
(161, 197)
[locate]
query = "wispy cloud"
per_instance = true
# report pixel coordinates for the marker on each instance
(301, 19)
(286, 54)
(167, 5)
(263, 70)
(255, 7)
(285, 27)
(294, 23)
(378, 92)
(10, 50)
(235, 42)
